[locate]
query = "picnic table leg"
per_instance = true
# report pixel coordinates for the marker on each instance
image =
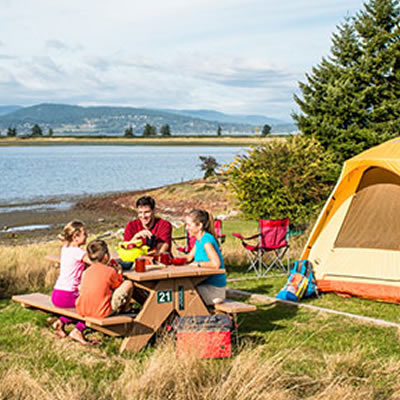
(187, 299)
(149, 320)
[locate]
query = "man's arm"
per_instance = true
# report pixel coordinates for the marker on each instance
(164, 237)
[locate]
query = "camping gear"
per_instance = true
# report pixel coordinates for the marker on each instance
(129, 251)
(271, 244)
(301, 282)
(203, 336)
(354, 246)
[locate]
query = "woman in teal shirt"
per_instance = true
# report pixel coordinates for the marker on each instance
(206, 254)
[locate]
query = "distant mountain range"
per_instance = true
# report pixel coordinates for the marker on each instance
(8, 109)
(70, 119)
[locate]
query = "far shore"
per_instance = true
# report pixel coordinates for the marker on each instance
(138, 141)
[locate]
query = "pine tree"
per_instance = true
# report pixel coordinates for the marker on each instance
(350, 101)
(149, 130)
(128, 132)
(36, 130)
(165, 130)
(11, 132)
(266, 130)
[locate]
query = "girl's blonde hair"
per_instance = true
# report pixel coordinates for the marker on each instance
(70, 230)
(206, 219)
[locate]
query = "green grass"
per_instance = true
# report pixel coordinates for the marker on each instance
(307, 354)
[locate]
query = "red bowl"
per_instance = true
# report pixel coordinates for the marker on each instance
(178, 261)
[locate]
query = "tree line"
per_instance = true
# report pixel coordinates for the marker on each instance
(149, 130)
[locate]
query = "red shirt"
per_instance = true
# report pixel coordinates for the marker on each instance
(97, 285)
(162, 230)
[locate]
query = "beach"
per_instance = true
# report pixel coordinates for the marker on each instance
(112, 211)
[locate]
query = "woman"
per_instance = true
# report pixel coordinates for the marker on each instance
(206, 254)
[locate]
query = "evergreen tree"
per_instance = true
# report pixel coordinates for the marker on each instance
(165, 130)
(51, 132)
(11, 132)
(149, 130)
(36, 130)
(351, 100)
(128, 132)
(266, 130)
(219, 130)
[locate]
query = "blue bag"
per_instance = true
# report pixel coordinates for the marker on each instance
(301, 282)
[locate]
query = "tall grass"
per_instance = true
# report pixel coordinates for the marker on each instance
(253, 374)
(23, 268)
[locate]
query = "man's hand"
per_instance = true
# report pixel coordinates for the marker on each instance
(145, 233)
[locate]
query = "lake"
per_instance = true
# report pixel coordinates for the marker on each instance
(32, 175)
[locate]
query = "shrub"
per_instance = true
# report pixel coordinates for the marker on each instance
(283, 179)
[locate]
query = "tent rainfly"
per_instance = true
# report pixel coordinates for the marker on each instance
(354, 246)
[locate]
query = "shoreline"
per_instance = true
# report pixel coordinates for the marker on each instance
(112, 210)
(137, 141)
(99, 212)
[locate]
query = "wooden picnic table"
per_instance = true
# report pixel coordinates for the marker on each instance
(171, 289)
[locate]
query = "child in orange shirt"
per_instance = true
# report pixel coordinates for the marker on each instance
(103, 290)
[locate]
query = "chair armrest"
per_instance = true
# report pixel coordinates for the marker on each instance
(239, 236)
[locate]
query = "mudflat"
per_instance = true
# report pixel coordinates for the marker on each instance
(111, 211)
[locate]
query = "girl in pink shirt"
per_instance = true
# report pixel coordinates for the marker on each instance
(72, 264)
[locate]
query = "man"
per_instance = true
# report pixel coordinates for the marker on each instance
(156, 232)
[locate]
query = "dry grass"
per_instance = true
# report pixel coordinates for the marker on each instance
(173, 140)
(251, 375)
(23, 268)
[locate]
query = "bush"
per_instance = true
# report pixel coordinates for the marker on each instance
(283, 179)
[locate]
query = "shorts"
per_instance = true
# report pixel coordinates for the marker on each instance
(120, 297)
(211, 294)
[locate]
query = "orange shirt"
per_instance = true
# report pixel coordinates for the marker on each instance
(97, 285)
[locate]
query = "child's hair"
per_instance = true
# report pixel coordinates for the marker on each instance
(70, 230)
(206, 219)
(96, 250)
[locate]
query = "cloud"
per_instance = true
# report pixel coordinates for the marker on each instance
(243, 56)
(56, 44)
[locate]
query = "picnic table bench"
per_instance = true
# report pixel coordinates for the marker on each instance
(114, 326)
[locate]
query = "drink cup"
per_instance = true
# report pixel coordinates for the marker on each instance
(140, 264)
(165, 258)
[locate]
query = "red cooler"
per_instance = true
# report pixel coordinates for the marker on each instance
(204, 336)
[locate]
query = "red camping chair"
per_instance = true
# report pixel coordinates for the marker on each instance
(191, 240)
(270, 248)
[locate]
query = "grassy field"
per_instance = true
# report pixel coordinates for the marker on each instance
(285, 352)
(135, 141)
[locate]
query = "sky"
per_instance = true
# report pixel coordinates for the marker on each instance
(233, 56)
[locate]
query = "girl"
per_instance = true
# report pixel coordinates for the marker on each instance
(206, 254)
(72, 264)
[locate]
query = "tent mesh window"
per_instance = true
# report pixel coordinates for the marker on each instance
(373, 218)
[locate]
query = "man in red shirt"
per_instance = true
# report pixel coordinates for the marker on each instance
(154, 230)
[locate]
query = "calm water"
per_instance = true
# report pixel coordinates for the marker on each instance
(35, 174)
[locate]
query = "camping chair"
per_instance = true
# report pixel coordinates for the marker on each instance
(270, 247)
(191, 240)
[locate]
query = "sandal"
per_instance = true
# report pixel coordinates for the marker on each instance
(58, 326)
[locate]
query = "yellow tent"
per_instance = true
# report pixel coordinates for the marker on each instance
(355, 244)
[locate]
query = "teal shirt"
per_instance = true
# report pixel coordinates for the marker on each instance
(201, 255)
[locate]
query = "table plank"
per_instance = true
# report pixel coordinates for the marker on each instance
(170, 272)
